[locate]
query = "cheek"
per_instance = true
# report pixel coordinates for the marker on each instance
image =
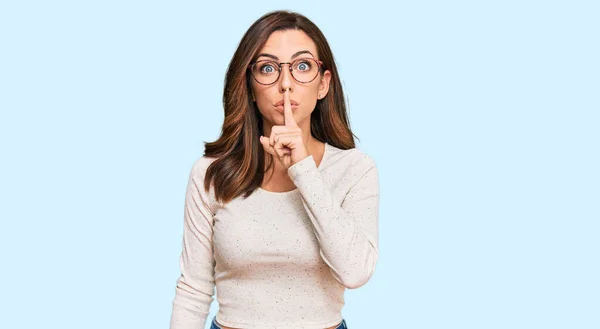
(264, 103)
(309, 106)
(260, 100)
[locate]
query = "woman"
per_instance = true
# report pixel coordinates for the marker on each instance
(281, 212)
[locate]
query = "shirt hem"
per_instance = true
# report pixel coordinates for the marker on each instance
(310, 325)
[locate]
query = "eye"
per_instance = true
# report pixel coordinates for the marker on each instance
(303, 65)
(266, 68)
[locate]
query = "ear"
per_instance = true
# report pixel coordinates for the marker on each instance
(324, 84)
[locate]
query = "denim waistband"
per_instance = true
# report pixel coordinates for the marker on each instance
(214, 324)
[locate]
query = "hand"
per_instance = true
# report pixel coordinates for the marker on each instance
(285, 142)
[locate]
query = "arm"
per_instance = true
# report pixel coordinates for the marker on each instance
(347, 234)
(195, 287)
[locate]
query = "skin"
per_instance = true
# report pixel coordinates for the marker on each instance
(288, 137)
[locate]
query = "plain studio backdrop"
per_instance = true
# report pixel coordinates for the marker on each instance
(482, 116)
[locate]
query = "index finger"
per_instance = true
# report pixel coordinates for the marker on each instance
(288, 115)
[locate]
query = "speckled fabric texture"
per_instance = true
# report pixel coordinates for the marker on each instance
(280, 259)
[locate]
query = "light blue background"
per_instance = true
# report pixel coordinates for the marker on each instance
(483, 118)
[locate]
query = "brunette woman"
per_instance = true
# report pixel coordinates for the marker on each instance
(281, 212)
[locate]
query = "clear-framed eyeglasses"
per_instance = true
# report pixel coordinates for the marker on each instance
(303, 70)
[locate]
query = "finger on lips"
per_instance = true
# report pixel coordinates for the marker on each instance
(274, 143)
(288, 115)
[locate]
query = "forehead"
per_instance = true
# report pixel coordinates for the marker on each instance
(284, 44)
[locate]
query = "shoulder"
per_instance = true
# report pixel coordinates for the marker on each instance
(346, 169)
(197, 176)
(354, 158)
(199, 167)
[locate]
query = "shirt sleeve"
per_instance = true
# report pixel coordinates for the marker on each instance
(348, 233)
(195, 287)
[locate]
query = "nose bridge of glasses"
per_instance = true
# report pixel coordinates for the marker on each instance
(289, 66)
(288, 71)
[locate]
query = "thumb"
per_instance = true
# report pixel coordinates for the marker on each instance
(265, 143)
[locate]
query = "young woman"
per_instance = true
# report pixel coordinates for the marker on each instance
(281, 212)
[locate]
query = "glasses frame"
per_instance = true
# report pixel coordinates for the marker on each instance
(251, 66)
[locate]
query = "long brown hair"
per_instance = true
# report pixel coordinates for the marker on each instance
(240, 157)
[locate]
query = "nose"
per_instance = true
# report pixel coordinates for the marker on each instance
(285, 80)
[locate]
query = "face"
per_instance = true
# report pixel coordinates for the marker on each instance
(281, 47)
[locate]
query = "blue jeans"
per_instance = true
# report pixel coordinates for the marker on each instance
(214, 325)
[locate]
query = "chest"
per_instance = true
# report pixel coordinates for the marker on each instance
(274, 232)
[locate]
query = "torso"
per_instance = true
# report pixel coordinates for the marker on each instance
(283, 183)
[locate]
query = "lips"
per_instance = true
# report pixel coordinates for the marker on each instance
(281, 109)
(280, 103)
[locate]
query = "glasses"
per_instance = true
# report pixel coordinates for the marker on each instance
(303, 70)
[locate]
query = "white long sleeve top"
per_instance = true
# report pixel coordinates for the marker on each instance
(280, 259)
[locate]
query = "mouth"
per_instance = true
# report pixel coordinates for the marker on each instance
(280, 107)
(292, 102)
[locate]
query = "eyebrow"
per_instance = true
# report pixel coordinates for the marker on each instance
(294, 55)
